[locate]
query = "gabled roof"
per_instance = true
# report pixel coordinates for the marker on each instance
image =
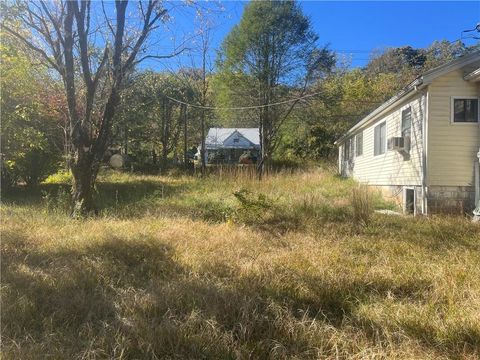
(217, 136)
(469, 61)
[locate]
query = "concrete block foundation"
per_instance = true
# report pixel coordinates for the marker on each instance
(439, 199)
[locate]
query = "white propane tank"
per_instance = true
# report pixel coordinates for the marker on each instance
(116, 161)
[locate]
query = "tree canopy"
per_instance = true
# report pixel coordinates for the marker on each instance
(270, 55)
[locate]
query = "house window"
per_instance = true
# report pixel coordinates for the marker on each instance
(359, 144)
(407, 127)
(380, 139)
(465, 111)
(236, 140)
(352, 148)
(348, 150)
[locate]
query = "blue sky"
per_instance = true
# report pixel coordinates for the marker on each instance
(352, 28)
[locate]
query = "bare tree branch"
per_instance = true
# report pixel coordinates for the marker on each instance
(106, 19)
(53, 21)
(169, 56)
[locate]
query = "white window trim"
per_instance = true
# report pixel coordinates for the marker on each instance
(453, 98)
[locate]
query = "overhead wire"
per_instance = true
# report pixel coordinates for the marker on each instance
(251, 107)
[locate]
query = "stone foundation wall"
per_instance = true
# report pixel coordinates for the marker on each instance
(450, 199)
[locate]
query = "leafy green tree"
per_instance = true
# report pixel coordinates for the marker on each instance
(269, 56)
(31, 128)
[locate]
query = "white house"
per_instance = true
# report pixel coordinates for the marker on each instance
(226, 145)
(421, 145)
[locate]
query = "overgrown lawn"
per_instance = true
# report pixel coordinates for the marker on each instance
(233, 268)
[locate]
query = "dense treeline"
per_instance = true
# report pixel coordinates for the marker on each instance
(349, 94)
(153, 132)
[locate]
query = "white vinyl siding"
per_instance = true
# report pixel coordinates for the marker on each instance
(391, 168)
(452, 147)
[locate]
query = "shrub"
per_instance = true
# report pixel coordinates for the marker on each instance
(31, 166)
(8, 178)
(60, 177)
(362, 205)
(253, 206)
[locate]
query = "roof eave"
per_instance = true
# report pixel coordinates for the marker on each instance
(386, 106)
(418, 83)
(474, 76)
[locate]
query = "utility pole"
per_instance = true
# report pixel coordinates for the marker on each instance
(204, 97)
(202, 150)
(185, 137)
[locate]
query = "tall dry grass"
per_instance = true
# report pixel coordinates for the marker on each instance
(362, 204)
(166, 272)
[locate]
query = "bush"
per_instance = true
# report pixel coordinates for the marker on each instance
(31, 166)
(253, 207)
(8, 178)
(60, 177)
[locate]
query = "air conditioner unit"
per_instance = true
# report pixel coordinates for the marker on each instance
(401, 144)
(396, 143)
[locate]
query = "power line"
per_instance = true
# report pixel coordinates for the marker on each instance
(242, 107)
(265, 105)
(251, 107)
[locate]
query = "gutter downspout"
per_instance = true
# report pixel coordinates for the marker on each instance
(424, 155)
(476, 212)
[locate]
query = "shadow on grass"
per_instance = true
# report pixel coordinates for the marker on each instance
(130, 298)
(109, 195)
(63, 299)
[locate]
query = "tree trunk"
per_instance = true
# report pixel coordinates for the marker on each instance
(264, 153)
(264, 141)
(262, 147)
(164, 162)
(84, 175)
(154, 156)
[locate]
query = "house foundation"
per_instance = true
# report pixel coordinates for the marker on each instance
(451, 199)
(440, 199)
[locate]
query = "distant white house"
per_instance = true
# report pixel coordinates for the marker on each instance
(226, 145)
(421, 145)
